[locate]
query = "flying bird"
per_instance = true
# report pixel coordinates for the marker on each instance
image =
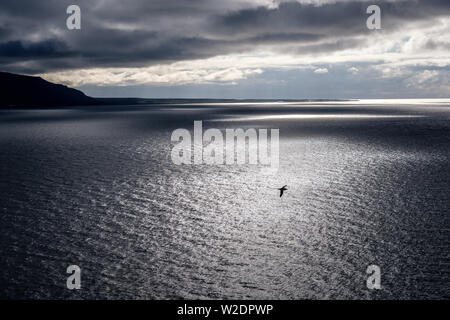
(282, 190)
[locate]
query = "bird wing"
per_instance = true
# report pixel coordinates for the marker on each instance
(281, 192)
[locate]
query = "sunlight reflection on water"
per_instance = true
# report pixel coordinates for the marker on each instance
(96, 187)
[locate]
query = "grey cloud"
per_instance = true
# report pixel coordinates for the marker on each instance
(20, 49)
(433, 45)
(33, 37)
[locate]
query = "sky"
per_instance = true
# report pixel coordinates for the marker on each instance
(271, 49)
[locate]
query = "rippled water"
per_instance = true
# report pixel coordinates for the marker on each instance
(96, 187)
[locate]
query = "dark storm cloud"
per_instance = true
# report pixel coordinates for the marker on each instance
(33, 36)
(46, 48)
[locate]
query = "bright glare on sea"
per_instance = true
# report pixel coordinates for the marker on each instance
(368, 183)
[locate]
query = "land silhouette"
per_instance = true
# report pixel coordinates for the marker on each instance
(27, 91)
(31, 91)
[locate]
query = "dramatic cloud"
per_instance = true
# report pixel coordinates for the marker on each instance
(353, 70)
(321, 70)
(181, 42)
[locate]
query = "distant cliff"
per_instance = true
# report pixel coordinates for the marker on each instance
(26, 91)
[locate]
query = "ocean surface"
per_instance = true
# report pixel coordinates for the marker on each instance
(368, 183)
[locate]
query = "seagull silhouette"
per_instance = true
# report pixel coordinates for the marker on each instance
(282, 190)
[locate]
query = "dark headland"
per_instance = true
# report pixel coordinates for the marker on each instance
(27, 91)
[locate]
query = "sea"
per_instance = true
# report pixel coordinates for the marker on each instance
(367, 185)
